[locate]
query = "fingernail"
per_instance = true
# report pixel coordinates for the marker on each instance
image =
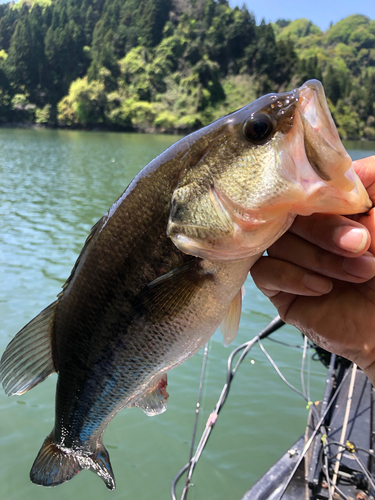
(352, 239)
(317, 283)
(362, 267)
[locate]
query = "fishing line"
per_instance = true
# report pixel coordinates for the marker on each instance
(326, 472)
(284, 379)
(286, 344)
(274, 325)
(308, 370)
(197, 410)
(313, 435)
(303, 367)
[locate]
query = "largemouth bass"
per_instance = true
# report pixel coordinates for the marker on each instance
(164, 267)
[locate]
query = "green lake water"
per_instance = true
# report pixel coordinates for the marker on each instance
(54, 185)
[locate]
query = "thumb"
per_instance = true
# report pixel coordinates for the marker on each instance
(368, 221)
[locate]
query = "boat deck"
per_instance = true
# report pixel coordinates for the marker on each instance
(349, 418)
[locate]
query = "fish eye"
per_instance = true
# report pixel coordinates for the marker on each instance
(258, 128)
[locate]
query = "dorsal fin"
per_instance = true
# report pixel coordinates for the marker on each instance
(95, 230)
(28, 359)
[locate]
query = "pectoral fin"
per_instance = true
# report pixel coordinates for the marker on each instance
(168, 294)
(154, 402)
(231, 321)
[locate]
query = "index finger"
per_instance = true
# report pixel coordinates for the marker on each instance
(365, 169)
(368, 220)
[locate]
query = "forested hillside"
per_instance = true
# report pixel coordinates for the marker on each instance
(172, 64)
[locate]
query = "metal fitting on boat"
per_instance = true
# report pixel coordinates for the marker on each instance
(361, 495)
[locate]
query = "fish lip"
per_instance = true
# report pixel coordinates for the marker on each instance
(313, 107)
(320, 133)
(317, 87)
(314, 116)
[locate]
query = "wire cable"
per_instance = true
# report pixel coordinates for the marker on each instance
(341, 493)
(286, 344)
(308, 370)
(197, 410)
(313, 435)
(326, 472)
(274, 325)
(231, 371)
(303, 367)
(285, 380)
(365, 470)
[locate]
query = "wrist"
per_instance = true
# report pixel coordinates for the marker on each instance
(370, 372)
(366, 361)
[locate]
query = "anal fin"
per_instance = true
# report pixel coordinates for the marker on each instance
(231, 321)
(27, 360)
(155, 401)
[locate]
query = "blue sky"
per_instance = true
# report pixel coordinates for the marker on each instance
(320, 12)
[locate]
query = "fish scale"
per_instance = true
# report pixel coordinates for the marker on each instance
(164, 267)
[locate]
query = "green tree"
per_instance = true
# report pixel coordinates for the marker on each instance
(333, 84)
(26, 62)
(85, 104)
(64, 47)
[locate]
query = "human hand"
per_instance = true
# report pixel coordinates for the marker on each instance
(320, 277)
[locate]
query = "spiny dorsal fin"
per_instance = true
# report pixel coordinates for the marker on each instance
(155, 401)
(231, 321)
(55, 465)
(27, 360)
(95, 230)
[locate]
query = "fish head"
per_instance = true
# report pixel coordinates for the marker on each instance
(258, 168)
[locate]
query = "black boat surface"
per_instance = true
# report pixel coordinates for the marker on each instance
(334, 459)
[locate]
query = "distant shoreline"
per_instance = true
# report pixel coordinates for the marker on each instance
(103, 128)
(97, 128)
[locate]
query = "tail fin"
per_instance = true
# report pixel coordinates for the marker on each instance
(55, 465)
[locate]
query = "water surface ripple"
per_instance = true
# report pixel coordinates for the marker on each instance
(54, 186)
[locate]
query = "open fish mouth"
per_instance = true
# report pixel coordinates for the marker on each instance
(298, 167)
(324, 167)
(321, 138)
(314, 108)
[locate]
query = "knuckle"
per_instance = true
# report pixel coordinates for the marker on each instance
(314, 225)
(282, 246)
(318, 259)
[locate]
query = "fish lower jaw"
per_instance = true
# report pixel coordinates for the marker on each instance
(191, 246)
(239, 245)
(330, 200)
